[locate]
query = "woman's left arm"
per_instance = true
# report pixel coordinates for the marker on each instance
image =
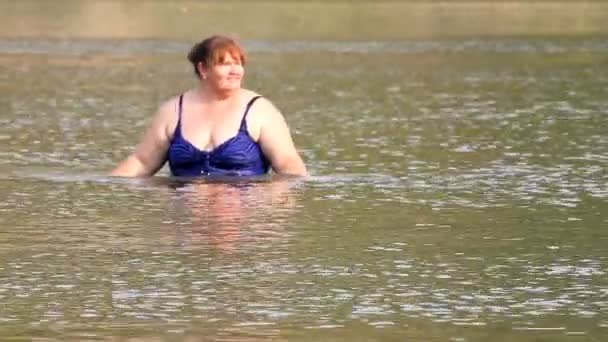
(276, 142)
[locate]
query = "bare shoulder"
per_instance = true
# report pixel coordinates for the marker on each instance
(169, 107)
(166, 115)
(261, 114)
(248, 94)
(263, 109)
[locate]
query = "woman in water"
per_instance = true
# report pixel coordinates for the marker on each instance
(217, 128)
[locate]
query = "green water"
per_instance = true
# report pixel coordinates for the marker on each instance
(458, 188)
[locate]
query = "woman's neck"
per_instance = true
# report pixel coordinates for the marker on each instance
(214, 95)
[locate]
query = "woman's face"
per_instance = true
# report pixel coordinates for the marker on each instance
(225, 75)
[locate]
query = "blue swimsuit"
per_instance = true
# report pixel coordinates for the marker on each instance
(237, 156)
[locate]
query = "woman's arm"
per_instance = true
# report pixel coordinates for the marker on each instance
(150, 154)
(276, 142)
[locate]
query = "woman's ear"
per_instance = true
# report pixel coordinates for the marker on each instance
(202, 70)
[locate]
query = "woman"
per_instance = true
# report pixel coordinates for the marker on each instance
(217, 128)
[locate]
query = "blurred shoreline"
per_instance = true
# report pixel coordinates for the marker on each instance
(299, 20)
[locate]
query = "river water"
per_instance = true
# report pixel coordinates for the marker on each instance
(458, 192)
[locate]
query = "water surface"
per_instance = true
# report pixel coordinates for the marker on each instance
(458, 192)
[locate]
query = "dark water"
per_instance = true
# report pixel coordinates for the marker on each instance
(458, 193)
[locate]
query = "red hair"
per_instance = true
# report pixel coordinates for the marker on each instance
(213, 50)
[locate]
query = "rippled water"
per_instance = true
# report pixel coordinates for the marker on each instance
(458, 192)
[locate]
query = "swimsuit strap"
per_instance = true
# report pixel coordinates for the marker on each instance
(249, 104)
(179, 108)
(179, 115)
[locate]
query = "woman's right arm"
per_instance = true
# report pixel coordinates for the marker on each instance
(150, 154)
